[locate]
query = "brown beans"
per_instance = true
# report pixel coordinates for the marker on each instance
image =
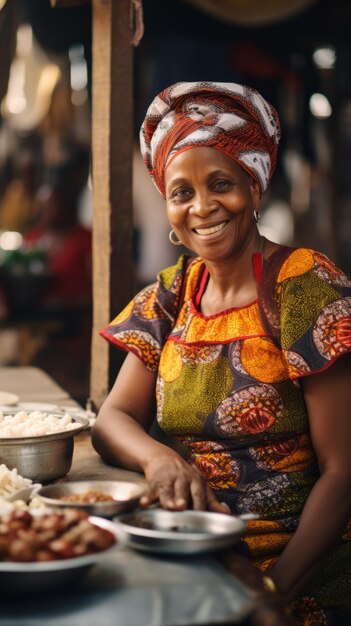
(88, 497)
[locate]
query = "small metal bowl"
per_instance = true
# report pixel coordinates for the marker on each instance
(180, 532)
(125, 496)
(42, 458)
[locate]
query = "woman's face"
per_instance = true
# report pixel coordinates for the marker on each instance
(210, 203)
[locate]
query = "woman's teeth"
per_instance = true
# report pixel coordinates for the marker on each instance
(211, 230)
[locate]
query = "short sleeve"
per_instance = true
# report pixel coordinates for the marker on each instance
(143, 326)
(314, 302)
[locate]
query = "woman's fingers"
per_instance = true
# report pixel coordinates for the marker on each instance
(148, 498)
(214, 505)
(178, 485)
(172, 494)
(175, 494)
(198, 491)
(179, 495)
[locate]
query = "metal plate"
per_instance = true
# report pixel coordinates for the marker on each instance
(125, 495)
(40, 576)
(180, 532)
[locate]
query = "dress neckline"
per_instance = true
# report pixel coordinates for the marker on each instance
(257, 264)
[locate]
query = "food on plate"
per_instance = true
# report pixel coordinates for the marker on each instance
(11, 481)
(35, 423)
(87, 497)
(51, 536)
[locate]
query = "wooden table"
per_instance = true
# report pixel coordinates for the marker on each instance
(131, 588)
(32, 384)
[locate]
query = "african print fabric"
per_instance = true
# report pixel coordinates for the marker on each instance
(232, 118)
(228, 388)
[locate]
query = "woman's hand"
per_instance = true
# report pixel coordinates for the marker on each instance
(269, 607)
(120, 436)
(178, 485)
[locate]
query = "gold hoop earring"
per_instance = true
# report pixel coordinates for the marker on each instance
(176, 242)
(256, 216)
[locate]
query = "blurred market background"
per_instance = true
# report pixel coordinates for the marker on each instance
(297, 53)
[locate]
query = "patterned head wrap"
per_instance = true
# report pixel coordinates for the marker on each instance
(232, 118)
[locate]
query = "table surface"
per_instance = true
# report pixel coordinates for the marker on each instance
(128, 588)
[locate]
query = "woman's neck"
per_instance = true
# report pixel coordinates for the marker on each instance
(231, 284)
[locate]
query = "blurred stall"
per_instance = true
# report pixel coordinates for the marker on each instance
(297, 54)
(45, 252)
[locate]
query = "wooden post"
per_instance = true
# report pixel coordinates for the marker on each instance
(112, 138)
(58, 4)
(8, 28)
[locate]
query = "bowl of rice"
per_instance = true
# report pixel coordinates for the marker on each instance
(38, 444)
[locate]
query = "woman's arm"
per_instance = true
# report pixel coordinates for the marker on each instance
(119, 433)
(328, 507)
(120, 437)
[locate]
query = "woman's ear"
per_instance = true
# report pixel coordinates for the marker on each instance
(255, 193)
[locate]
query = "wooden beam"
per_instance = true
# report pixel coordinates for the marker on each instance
(112, 139)
(58, 4)
(9, 20)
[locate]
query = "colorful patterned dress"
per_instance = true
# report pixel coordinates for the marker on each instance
(228, 388)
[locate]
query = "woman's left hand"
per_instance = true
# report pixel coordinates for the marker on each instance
(269, 605)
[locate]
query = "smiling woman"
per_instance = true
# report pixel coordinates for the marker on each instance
(210, 204)
(245, 345)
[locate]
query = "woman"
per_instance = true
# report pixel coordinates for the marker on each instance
(65, 305)
(65, 243)
(245, 349)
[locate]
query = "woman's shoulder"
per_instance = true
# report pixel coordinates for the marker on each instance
(305, 305)
(185, 266)
(175, 280)
(287, 263)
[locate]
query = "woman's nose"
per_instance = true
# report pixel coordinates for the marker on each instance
(203, 204)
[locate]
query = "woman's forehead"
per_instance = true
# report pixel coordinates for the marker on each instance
(205, 158)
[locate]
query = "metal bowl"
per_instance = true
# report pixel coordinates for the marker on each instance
(42, 458)
(125, 495)
(180, 532)
(43, 576)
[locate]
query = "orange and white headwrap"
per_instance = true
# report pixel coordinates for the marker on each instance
(232, 118)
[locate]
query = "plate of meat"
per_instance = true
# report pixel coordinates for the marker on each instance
(53, 549)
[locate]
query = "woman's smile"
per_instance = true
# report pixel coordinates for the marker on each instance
(210, 203)
(205, 231)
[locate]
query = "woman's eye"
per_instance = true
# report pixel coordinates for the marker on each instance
(222, 185)
(182, 194)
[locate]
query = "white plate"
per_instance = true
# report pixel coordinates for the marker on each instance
(8, 399)
(46, 406)
(29, 406)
